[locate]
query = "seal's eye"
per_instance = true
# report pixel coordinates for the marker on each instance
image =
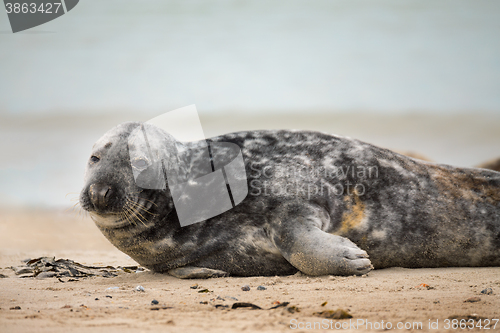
(94, 159)
(140, 163)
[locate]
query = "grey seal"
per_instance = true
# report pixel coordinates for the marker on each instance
(317, 203)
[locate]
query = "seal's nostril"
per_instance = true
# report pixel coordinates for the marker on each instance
(105, 191)
(100, 194)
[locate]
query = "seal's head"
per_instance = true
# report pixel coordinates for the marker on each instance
(111, 193)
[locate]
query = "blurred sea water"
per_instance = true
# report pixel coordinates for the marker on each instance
(226, 55)
(408, 75)
(43, 159)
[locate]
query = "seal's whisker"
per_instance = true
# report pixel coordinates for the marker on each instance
(129, 218)
(77, 210)
(136, 192)
(148, 201)
(73, 209)
(135, 204)
(126, 212)
(142, 207)
(137, 214)
(140, 217)
(76, 196)
(146, 211)
(124, 216)
(82, 213)
(74, 212)
(133, 212)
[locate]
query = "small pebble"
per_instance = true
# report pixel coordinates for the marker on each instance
(487, 291)
(246, 287)
(140, 288)
(154, 302)
(261, 288)
(96, 299)
(113, 288)
(45, 275)
(16, 308)
(194, 286)
(473, 299)
(203, 291)
(109, 296)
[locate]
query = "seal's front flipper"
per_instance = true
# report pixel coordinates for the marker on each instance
(313, 251)
(190, 272)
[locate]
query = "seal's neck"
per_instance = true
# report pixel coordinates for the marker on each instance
(193, 160)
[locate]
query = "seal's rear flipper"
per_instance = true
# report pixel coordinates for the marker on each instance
(313, 251)
(190, 272)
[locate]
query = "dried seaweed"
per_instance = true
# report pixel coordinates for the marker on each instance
(256, 307)
(47, 267)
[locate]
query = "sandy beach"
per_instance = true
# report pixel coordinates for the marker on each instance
(410, 297)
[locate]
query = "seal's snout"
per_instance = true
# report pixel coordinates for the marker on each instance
(100, 195)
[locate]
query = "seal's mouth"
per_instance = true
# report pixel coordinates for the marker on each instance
(135, 210)
(132, 213)
(109, 221)
(110, 207)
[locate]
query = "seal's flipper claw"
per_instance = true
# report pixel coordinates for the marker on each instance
(190, 272)
(365, 269)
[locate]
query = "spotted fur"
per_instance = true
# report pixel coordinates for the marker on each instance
(401, 211)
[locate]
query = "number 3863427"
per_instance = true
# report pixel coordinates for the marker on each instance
(25, 7)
